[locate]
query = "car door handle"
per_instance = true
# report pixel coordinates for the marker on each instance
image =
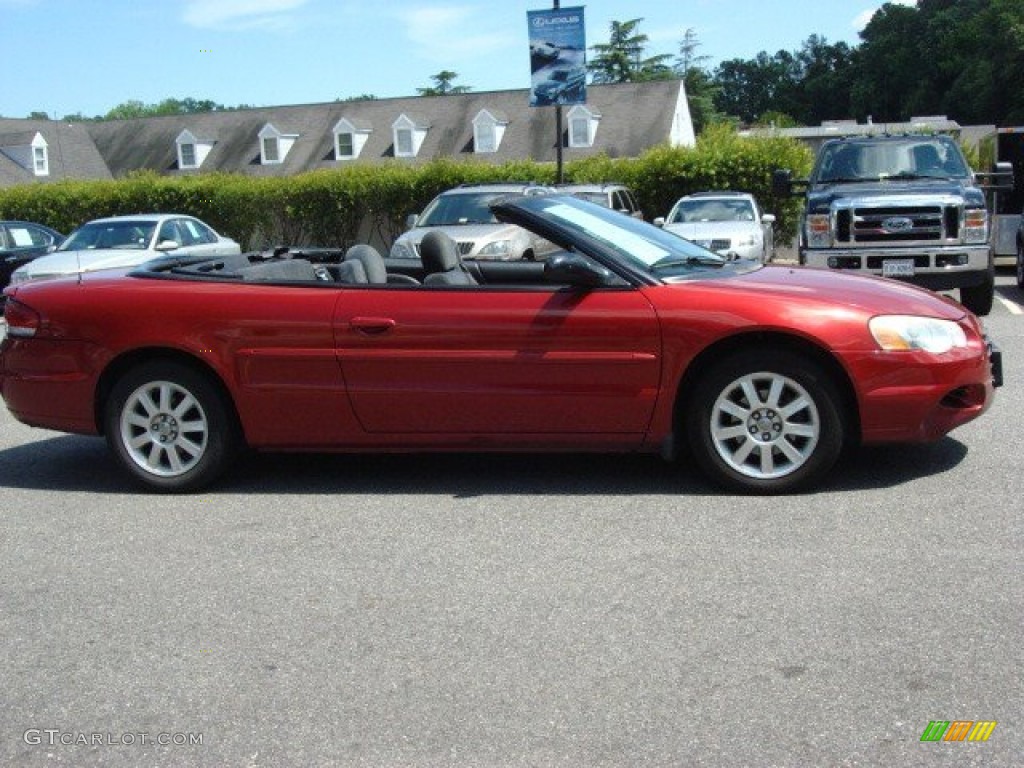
(372, 325)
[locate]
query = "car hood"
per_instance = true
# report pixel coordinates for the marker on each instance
(821, 196)
(463, 233)
(803, 286)
(71, 262)
(711, 230)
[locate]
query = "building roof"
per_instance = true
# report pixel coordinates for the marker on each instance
(71, 150)
(631, 117)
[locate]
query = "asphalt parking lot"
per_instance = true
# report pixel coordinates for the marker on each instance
(516, 610)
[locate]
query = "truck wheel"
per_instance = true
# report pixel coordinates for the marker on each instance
(979, 298)
(765, 421)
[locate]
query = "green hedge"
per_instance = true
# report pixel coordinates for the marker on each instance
(338, 207)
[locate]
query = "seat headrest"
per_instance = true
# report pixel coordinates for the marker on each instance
(438, 252)
(373, 262)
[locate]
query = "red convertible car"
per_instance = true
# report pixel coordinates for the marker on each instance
(628, 338)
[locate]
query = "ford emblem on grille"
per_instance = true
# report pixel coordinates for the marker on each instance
(897, 224)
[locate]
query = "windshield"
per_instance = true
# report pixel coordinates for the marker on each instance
(460, 208)
(632, 242)
(123, 235)
(712, 210)
(913, 157)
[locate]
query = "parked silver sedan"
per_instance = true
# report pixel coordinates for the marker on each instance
(127, 241)
(728, 223)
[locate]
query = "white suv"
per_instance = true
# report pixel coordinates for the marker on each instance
(464, 214)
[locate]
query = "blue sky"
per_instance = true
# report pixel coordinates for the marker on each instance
(90, 55)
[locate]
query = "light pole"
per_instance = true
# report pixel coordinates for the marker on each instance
(559, 173)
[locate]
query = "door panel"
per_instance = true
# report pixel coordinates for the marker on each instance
(479, 361)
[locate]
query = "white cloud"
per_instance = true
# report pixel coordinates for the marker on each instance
(865, 16)
(441, 33)
(240, 13)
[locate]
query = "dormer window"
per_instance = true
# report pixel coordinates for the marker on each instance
(274, 145)
(187, 155)
(408, 136)
(192, 151)
(40, 157)
(488, 131)
(271, 151)
(582, 127)
(349, 138)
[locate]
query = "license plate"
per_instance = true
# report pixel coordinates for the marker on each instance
(898, 268)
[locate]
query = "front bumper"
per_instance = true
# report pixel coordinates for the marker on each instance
(939, 268)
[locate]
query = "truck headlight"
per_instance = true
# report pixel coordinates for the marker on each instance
(975, 225)
(908, 332)
(819, 232)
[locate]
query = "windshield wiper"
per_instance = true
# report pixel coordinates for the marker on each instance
(690, 261)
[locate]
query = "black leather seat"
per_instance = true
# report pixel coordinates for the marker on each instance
(374, 267)
(372, 261)
(441, 261)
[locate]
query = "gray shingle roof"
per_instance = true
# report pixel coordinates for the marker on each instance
(634, 117)
(72, 152)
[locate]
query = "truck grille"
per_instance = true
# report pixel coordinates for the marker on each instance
(895, 225)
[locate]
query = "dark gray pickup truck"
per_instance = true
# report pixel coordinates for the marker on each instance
(907, 207)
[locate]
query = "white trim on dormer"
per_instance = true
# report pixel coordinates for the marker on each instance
(191, 151)
(582, 126)
(40, 155)
(274, 145)
(488, 131)
(408, 136)
(357, 136)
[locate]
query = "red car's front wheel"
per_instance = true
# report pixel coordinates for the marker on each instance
(765, 422)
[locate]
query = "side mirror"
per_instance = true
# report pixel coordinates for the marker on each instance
(659, 222)
(768, 218)
(576, 270)
(411, 219)
(168, 245)
(782, 182)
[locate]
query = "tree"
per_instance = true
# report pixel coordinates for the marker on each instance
(38, 116)
(443, 85)
(621, 59)
(700, 88)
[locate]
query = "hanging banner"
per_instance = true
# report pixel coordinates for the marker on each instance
(558, 57)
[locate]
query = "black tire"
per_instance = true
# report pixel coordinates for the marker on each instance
(1020, 266)
(170, 427)
(979, 298)
(757, 447)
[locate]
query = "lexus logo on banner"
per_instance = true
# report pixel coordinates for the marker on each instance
(558, 57)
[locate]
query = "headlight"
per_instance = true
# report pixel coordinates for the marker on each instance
(750, 239)
(19, 276)
(906, 332)
(497, 248)
(976, 225)
(819, 233)
(402, 249)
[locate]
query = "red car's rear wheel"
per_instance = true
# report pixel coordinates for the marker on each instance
(169, 426)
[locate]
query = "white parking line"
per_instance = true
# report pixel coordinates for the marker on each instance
(1013, 306)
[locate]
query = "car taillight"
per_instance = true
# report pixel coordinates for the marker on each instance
(22, 320)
